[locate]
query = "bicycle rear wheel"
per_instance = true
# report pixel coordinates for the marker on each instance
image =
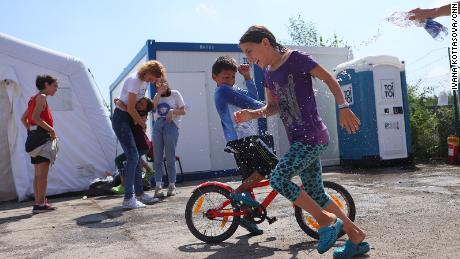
(205, 227)
(340, 196)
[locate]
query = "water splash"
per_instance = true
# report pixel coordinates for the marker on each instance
(401, 19)
(371, 40)
(436, 30)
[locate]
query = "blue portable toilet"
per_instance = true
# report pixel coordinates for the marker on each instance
(375, 87)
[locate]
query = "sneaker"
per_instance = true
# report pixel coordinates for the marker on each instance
(328, 235)
(118, 189)
(245, 199)
(251, 227)
(147, 199)
(350, 250)
(172, 191)
(158, 193)
(132, 203)
(42, 208)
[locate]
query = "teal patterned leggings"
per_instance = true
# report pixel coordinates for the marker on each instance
(303, 160)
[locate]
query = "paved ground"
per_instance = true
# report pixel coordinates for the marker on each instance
(407, 213)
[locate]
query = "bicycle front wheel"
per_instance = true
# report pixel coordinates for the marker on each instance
(198, 214)
(339, 196)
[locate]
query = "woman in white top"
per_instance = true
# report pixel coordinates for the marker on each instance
(134, 89)
(170, 107)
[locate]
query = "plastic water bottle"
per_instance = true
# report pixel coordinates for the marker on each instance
(435, 29)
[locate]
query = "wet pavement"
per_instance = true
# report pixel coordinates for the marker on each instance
(406, 212)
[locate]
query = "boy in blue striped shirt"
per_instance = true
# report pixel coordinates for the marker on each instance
(228, 99)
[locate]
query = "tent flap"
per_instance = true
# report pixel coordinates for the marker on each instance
(85, 135)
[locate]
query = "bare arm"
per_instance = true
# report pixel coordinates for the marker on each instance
(271, 108)
(146, 166)
(347, 119)
(120, 104)
(320, 73)
(160, 90)
(423, 14)
(175, 112)
(24, 120)
(156, 100)
(245, 71)
(178, 112)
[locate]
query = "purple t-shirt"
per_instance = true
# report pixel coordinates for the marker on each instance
(291, 86)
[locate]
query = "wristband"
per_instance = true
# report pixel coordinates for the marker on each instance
(343, 105)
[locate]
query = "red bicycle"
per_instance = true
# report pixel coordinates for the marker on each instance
(213, 217)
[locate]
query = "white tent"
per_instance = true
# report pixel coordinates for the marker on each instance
(87, 144)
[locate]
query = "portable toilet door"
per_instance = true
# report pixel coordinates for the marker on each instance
(391, 128)
(376, 89)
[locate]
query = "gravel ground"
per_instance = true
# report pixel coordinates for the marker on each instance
(407, 213)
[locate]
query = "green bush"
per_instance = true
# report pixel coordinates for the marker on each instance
(431, 124)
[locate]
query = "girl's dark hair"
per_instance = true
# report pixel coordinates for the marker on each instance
(142, 113)
(168, 90)
(167, 93)
(257, 33)
(42, 79)
(224, 63)
(149, 104)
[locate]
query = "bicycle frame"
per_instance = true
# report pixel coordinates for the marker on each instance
(220, 211)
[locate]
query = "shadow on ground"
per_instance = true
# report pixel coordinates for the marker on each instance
(106, 219)
(242, 248)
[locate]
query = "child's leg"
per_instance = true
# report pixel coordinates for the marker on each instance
(355, 234)
(305, 202)
(36, 191)
(313, 185)
(293, 162)
(254, 178)
(41, 178)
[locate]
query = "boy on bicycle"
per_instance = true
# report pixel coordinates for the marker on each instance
(229, 98)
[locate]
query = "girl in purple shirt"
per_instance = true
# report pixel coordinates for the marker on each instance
(288, 81)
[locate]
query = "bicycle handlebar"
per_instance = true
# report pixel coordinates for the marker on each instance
(231, 150)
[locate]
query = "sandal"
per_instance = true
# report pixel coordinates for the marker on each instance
(245, 199)
(350, 249)
(328, 236)
(251, 227)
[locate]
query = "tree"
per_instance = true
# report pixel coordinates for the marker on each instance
(431, 125)
(304, 33)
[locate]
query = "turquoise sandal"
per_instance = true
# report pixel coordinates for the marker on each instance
(245, 199)
(350, 249)
(251, 227)
(328, 236)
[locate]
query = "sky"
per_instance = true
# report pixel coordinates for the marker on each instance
(107, 34)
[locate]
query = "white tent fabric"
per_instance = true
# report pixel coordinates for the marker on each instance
(87, 144)
(7, 190)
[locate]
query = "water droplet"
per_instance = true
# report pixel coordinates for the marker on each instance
(401, 19)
